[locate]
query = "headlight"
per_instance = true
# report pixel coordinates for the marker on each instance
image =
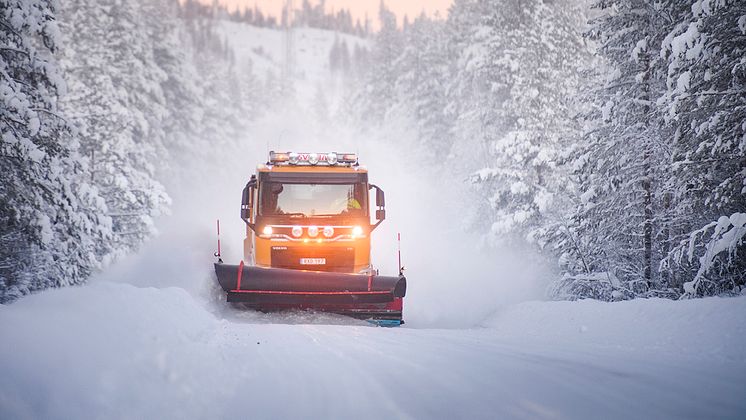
(313, 158)
(357, 231)
(313, 231)
(331, 158)
(297, 231)
(267, 230)
(328, 231)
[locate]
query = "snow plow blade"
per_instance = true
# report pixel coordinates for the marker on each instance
(279, 288)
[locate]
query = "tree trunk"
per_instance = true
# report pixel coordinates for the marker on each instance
(647, 184)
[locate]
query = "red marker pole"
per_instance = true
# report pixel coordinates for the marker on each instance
(217, 254)
(398, 242)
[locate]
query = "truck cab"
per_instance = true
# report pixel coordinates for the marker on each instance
(311, 211)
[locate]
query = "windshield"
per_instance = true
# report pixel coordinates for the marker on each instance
(313, 200)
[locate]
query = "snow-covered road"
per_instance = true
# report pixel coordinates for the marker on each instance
(113, 350)
(151, 338)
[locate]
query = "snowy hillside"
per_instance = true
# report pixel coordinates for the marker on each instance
(265, 49)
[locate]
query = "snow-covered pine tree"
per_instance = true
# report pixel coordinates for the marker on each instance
(344, 58)
(182, 90)
(253, 97)
(334, 56)
(116, 98)
(624, 158)
(512, 90)
(225, 115)
(466, 28)
(339, 58)
(382, 73)
(706, 104)
(50, 217)
(421, 85)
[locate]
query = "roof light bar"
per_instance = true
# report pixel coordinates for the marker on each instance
(312, 159)
(276, 157)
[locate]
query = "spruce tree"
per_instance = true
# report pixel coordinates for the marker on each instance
(50, 216)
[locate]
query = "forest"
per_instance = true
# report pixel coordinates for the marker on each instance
(607, 136)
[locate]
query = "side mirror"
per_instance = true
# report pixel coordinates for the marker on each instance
(380, 198)
(247, 201)
(246, 207)
(380, 204)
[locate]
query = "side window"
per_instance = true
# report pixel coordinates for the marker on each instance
(269, 193)
(361, 197)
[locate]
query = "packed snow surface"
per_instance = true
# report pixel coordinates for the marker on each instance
(113, 350)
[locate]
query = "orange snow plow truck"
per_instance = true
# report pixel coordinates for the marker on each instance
(308, 228)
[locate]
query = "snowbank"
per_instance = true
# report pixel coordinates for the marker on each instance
(711, 328)
(95, 351)
(112, 350)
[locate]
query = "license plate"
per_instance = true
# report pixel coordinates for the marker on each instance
(313, 261)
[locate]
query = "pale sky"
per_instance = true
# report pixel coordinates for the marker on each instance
(358, 8)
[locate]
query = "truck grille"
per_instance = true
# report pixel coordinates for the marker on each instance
(338, 260)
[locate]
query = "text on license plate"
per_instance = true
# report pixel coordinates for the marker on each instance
(313, 261)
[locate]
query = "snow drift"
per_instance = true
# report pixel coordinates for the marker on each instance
(112, 350)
